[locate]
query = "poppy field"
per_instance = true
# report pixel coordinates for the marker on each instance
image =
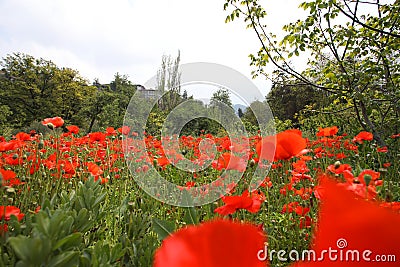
(70, 199)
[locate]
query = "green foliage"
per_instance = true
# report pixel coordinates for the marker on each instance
(163, 228)
(5, 112)
(286, 101)
(354, 50)
(221, 96)
(34, 89)
(64, 229)
(108, 106)
(169, 82)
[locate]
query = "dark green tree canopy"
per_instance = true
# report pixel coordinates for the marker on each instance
(32, 89)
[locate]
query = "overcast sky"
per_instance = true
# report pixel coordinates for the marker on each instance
(102, 37)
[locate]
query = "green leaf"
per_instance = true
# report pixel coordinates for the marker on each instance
(66, 259)
(117, 252)
(163, 228)
(330, 75)
(31, 250)
(190, 216)
(70, 241)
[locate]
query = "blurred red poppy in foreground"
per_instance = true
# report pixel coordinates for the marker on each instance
(347, 224)
(212, 244)
(53, 122)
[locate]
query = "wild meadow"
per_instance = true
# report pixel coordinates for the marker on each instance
(80, 187)
(69, 199)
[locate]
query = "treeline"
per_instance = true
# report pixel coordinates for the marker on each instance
(32, 89)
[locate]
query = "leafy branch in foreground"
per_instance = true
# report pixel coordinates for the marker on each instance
(354, 55)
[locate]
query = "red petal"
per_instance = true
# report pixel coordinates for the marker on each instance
(212, 244)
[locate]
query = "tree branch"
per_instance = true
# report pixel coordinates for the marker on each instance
(355, 19)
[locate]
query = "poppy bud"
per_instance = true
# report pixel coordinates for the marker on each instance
(50, 125)
(337, 164)
(11, 190)
(367, 179)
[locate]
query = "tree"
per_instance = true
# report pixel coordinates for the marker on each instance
(95, 107)
(108, 106)
(360, 48)
(169, 82)
(33, 89)
(221, 111)
(221, 97)
(288, 100)
(240, 113)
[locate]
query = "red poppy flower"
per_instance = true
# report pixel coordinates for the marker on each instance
(363, 136)
(73, 129)
(23, 136)
(124, 130)
(12, 145)
(53, 122)
(163, 162)
(7, 174)
(245, 201)
(111, 131)
(363, 226)
(212, 244)
(387, 164)
(94, 169)
(305, 222)
(329, 131)
(97, 137)
(287, 144)
(372, 174)
(290, 143)
(383, 149)
(395, 136)
(295, 207)
(338, 168)
(229, 161)
(9, 178)
(7, 211)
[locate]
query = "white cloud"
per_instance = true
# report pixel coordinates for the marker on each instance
(102, 37)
